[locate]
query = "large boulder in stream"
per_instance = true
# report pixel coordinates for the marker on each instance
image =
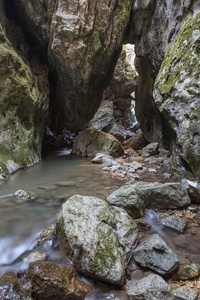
(96, 237)
(91, 141)
(135, 197)
(154, 253)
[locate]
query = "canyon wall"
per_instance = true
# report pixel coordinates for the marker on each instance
(81, 40)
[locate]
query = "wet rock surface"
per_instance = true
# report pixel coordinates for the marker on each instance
(12, 289)
(22, 122)
(91, 141)
(154, 253)
(88, 231)
(145, 194)
(173, 221)
(56, 281)
(150, 287)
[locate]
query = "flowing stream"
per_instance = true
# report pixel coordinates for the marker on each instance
(52, 181)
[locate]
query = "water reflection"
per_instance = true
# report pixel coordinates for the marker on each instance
(51, 182)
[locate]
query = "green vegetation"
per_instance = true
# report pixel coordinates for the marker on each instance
(180, 58)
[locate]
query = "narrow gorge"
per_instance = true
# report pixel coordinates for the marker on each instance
(70, 93)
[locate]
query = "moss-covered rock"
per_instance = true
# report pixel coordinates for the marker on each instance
(23, 109)
(91, 141)
(96, 237)
(176, 91)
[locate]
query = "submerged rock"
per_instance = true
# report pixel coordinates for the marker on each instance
(22, 195)
(12, 289)
(154, 253)
(150, 287)
(52, 281)
(96, 237)
(185, 293)
(173, 221)
(187, 271)
(91, 141)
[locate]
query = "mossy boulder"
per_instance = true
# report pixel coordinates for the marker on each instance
(89, 232)
(176, 91)
(92, 141)
(23, 110)
(135, 197)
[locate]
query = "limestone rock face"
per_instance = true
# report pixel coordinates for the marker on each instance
(91, 141)
(176, 91)
(168, 112)
(96, 237)
(84, 41)
(23, 110)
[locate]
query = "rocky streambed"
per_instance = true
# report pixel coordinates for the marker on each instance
(111, 229)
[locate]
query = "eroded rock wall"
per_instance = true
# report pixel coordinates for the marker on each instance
(166, 114)
(84, 40)
(24, 99)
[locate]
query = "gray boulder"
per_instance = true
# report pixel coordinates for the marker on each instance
(128, 198)
(185, 293)
(91, 141)
(94, 236)
(154, 253)
(173, 221)
(151, 149)
(103, 116)
(135, 197)
(148, 288)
